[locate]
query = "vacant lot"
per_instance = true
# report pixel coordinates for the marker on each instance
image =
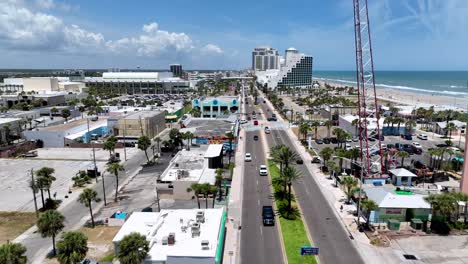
(100, 241)
(13, 224)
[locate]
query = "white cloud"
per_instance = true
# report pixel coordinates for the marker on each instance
(211, 49)
(153, 42)
(45, 4)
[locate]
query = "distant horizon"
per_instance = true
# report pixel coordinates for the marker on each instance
(167, 69)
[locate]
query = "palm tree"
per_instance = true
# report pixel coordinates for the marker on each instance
(132, 249)
(114, 168)
(328, 124)
(341, 154)
(340, 135)
(196, 188)
(13, 253)
(158, 142)
(402, 155)
(45, 179)
(443, 203)
(87, 197)
(398, 121)
(304, 129)
(410, 124)
(230, 137)
(50, 224)
(189, 136)
(66, 114)
(144, 143)
(72, 248)
(326, 153)
(349, 183)
(290, 174)
(315, 126)
(355, 123)
(368, 206)
(219, 181)
(110, 144)
(82, 109)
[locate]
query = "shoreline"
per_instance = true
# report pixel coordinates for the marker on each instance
(416, 99)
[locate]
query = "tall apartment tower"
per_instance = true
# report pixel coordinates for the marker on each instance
(265, 58)
(176, 70)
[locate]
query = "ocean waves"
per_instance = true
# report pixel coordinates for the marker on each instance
(407, 88)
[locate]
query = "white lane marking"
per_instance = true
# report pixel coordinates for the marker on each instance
(258, 202)
(261, 230)
(257, 181)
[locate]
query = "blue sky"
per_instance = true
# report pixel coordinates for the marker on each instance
(207, 34)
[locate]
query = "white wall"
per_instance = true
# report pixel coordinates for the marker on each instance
(51, 139)
(40, 84)
(189, 260)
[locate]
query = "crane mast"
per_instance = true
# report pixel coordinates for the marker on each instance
(368, 112)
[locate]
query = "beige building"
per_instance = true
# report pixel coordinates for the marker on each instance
(131, 125)
(76, 87)
(40, 84)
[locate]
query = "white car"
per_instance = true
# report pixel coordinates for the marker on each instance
(254, 116)
(348, 147)
(248, 157)
(422, 136)
(263, 170)
(267, 130)
(243, 121)
(455, 149)
(417, 145)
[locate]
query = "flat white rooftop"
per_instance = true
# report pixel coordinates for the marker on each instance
(190, 166)
(158, 225)
(6, 120)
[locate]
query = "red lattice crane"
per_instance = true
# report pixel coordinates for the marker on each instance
(369, 128)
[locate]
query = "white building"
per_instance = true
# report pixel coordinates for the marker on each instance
(139, 82)
(221, 106)
(181, 236)
(195, 166)
(265, 58)
(346, 123)
(294, 71)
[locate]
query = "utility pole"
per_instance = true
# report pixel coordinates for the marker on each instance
(94, 154)
(104, 190)
(33, 187)
(125, 135)
(157, 196)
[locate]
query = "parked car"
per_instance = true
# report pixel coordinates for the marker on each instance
(407, 136)
(419, 165)
(319, 141)
(326, 141)
(454, 149)
(263, 171)
(391, 147)
(243, 121)
(299, 161)
(30, 154)
(422, 136)
(268, 216)
(255, 122)
(316, 159)
(254, 116)
(408, 148)
(383, 146)
(417, 145)
(355, 139)
(348, 147)
(334, 140)
(267, 130)
(248, 157)
(255, 138)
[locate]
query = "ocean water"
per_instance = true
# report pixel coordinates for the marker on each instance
(449, 83)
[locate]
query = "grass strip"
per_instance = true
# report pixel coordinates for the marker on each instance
(294, 233)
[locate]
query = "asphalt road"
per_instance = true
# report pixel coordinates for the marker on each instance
(259, 244)
(76, 214)
(327, 233)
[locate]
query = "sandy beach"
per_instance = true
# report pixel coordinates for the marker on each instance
(416, 99)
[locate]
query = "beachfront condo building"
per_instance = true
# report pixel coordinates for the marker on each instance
(295, 71)
(265, 58)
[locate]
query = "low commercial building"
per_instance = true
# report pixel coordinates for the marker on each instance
(136, 124)
(346, 123)
(44, 99)
(212, 107)
(60, 136)
(213, 131)
(139, 82)
(332, 112)
(178, 236)
(399, 205)
(9, 126)
(459, 127)
(195, 166)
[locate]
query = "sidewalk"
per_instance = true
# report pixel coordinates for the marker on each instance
(234, 210)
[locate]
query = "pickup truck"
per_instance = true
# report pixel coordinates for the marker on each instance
(268, 215)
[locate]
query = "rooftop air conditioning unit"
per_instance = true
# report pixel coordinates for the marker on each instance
(205, 244)
(200, 217)
(171, 239)
(195, 229)
(164, 240)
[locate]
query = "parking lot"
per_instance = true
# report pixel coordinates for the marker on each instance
(81, 153)
(15, 175)
(431, 142)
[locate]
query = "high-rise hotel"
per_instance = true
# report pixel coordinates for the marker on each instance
(295, 70)
(265, 58)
